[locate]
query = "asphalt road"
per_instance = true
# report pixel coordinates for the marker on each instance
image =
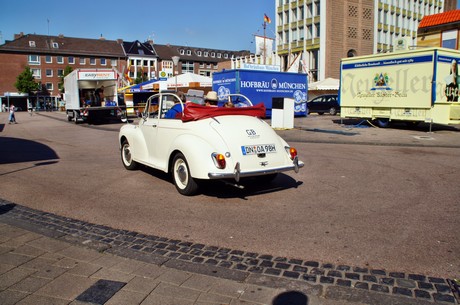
(386, 199)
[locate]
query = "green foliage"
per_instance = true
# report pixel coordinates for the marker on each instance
(141, 77)
(67, 71)
(25, 82)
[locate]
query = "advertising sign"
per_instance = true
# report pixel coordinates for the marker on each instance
(388, 81)
(263, 86)
(96, 75)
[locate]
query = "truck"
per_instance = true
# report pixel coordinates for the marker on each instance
(92, 95)
(263, 86)
(413, 86)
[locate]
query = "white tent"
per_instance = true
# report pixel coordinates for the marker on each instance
(326, 84)
(184, 80)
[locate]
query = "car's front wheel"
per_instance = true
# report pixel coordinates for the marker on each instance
(184, 182)
(332, 111)
(127, 157)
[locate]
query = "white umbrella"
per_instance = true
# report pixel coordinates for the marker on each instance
(326, 84)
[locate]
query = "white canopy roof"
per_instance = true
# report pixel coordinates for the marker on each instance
(326, 84)
(184, 80)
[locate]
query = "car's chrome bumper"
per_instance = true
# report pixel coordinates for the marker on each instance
(237, 173)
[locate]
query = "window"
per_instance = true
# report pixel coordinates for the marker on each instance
(71, 60)
(113, 62)
(103, 62)
(92, 61)
(48, 59)
(225, 55)
(32, 44)
(449, 39)
(198, 53)
(60, 72)
(188, 66)
(37, 73)
(82, 61)
(49, 86)
(60, 59)
(219, 55)
(205, 54)
(189, 52)
(181, 52)
(213, 54)
(49, 73)
(55, 45)
(34, 59)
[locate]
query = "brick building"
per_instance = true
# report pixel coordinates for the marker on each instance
(47, 57)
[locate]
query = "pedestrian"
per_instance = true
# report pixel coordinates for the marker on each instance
(3, 107)
(12, 118)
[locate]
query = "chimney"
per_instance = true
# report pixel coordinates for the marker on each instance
(61, 35)
(17, 36)
(119, 40)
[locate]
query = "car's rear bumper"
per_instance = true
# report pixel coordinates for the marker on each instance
(237, 173)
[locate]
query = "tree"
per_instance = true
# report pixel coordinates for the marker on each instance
(25, 82)
(67, 71)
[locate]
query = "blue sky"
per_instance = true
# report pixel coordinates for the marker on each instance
(216, 24)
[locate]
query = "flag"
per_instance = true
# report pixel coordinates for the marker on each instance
(267, 19)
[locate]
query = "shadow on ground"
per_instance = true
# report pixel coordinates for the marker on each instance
(14, 150)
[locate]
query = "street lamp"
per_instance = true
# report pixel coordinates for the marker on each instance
(175, 60)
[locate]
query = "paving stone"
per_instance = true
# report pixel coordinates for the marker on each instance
(227, 288)
(141, 285)
(28, 250)
(14, 276)
(124, 297)
(48, 244)
(166, 289)
(211, 298)
(5, 267)
(80, 254)
(422, 294)
(158, 299)
(402, 291)
(30, 284)
(14, 259)
(9, 297)
(439, 297)
(174, 276)
(113, 275)
(67, 286)
(406, 283)
(84, 269)
(258, 294)
(42, 300)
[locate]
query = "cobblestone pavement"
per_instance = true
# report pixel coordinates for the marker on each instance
(49, 259)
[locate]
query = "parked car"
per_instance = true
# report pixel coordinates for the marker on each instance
(328, 103)
(206, 143)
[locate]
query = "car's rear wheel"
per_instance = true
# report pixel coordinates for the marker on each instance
(127, 157)
(184, 182)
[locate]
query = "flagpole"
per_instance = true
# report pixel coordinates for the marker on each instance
(265, 46)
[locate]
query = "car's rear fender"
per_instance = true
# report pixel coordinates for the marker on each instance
(197, 151)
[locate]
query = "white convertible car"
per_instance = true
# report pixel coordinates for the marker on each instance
(205, 142)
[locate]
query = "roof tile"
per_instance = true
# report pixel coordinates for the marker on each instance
(439, 19)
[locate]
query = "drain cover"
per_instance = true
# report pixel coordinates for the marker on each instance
(100, 292)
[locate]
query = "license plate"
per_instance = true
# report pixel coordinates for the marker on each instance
(258, 149)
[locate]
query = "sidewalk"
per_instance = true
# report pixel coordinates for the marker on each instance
(41, 264)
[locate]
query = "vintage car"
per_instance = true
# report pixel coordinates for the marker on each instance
(204, 143)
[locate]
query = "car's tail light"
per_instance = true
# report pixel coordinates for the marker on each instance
(292, 152)
(219, 160)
